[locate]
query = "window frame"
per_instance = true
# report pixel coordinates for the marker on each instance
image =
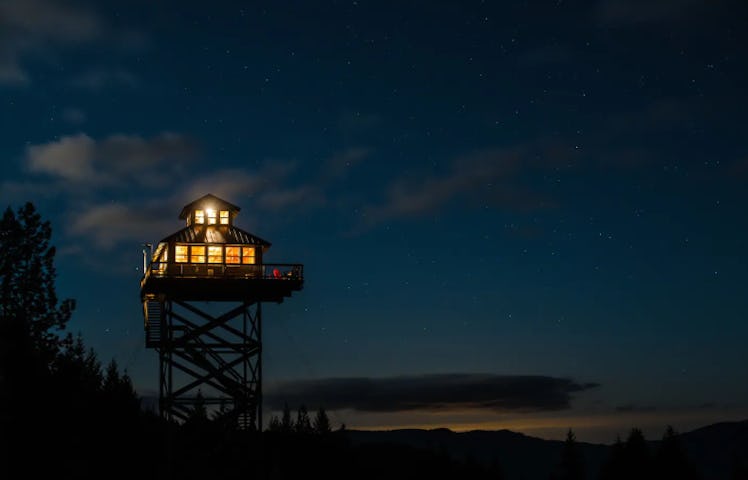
(199, 217)
(220, 254)
(212, 216)
(194, 255)
(253, 256)
(238, 255)
(181, 257)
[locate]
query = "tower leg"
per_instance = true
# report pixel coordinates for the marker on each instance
(213, 360)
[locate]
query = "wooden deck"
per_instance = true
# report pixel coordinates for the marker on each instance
(262, 283)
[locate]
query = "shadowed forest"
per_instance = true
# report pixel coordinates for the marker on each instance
(66, 413)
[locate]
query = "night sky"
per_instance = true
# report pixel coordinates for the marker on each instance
(523, 215)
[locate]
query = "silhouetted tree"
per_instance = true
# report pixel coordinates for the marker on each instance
(31, 318)
(638, 461)
(119, 392)
(614, 467)
(303, 424)
(739, 468)
(199, 415)
(571, 464)
(30, 314)
(671, 460)
(286, 424)
(321, 422)
(274, 425)
(32, 321)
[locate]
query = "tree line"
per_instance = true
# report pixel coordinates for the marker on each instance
(64, 414)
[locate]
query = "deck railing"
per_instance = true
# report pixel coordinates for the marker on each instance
(265, 271)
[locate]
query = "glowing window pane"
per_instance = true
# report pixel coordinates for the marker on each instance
(215, 254)
(224, 217)
(248, 255)
(197, 254)
(232, 255)
(211, 216)
(180, 254)
(199, 216)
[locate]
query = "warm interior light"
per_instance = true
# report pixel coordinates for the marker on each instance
(232, 255)
(215, 254)
(224, 217)
(197, 254)
(180, 253)
(248, 255)
(199, 216)
(211, 216)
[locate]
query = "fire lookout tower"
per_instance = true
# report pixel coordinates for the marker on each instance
(208, 358)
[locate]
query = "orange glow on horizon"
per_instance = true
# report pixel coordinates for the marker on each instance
(596, 427)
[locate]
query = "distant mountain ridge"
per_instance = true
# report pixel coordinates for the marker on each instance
(713, 448)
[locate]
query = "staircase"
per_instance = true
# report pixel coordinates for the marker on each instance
(154, 323)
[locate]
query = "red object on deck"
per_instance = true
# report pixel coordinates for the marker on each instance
(276, 273)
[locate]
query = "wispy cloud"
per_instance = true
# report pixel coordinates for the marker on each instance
(107, 225)
(115, 160)
(124, 188)
(29, 25)
(516, 393)
(491, 176)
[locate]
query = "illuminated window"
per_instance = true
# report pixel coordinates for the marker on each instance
(211, 216)
(197, 254)
(215, 254)
(232, 255)
(199, 216)
(248, 255)
(180, 254)
(224, 217)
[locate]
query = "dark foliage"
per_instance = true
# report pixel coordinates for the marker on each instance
(571, 464)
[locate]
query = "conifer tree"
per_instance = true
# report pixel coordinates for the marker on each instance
(671, 460)
(571, 465)
(286, 425)
(32, 321)
(321, 422)
(303, 424)
(31, 317)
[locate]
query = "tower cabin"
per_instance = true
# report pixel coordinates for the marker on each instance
(211, 259)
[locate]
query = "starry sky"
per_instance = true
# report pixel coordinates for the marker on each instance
(524, 215)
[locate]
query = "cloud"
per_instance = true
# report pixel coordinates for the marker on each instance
(231, 184)
(491, 176)
(108, 224)
(117, 159)
(124, 188)
(70, 158)
(29, 25)
(500, 393)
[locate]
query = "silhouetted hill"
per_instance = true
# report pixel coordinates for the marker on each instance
(716, 448)
(713, 449)
(519, 456)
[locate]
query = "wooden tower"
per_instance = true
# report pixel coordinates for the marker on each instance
(208, 357)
